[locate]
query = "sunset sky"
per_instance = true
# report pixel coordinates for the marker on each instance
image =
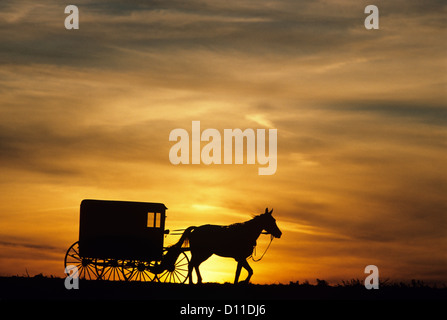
(361, 118)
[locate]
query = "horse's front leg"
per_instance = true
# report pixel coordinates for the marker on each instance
(247, 267)
(238, 271)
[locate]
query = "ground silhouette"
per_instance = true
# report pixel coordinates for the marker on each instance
(52, 288)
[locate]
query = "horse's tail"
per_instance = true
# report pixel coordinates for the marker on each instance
(184, 239)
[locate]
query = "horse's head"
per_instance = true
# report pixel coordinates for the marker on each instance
(269, 223)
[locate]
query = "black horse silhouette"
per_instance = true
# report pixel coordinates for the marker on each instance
(234, 241)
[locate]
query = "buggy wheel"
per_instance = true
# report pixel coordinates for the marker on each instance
(139, 271)
(178, 272)
(110, 269)
(85, 266)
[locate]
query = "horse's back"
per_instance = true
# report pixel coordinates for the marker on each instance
(207, 230)
(221, 240)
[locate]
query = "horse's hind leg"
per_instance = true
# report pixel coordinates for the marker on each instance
(190, 267)
(199, 277)
(196, 260)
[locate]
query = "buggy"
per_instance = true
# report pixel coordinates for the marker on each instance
(123, 240)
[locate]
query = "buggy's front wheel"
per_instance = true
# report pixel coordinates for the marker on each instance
(176, 272)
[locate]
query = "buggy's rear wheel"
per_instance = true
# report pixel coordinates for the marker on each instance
(85, 267)
(177, 272)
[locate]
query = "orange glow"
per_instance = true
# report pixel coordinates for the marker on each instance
(360, 180)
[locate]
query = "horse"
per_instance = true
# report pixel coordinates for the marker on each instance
(235, 241)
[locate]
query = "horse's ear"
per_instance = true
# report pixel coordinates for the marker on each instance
(266, 210)
(271, 211)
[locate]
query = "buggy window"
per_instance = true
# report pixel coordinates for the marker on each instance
(153, 220)
(157, 220)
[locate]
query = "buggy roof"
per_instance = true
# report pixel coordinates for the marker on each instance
(90, 205)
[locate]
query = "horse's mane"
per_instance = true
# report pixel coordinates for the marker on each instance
(242, 224)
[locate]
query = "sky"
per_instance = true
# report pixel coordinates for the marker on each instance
(360, 115)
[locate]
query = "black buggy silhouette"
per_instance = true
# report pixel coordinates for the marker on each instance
(123, 240)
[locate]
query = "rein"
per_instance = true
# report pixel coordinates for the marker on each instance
(254, 251)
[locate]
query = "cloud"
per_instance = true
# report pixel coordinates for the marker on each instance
(290, 28)
(28, 245)
(399, 111)
(42, 148)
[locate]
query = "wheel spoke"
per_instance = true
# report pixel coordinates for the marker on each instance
(176, 277)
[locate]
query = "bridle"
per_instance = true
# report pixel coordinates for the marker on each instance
(254, 250)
